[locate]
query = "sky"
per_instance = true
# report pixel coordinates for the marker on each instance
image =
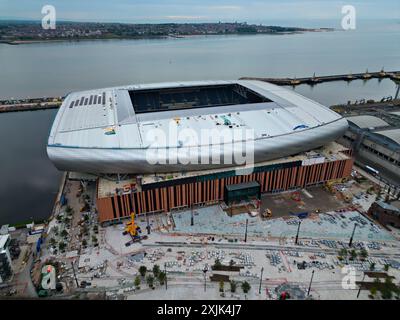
(155, 11)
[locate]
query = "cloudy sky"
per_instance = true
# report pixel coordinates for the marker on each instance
(197, 10)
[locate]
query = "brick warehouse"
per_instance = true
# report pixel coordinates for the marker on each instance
(165, 192)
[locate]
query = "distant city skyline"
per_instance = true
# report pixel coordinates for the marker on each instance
(159, 11)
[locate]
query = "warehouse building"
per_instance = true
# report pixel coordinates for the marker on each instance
(385, 213)
(376, 143)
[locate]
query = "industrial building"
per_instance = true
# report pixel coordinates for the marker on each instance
(385, 213)
(5, 258)
(376, 143)
(110, 131)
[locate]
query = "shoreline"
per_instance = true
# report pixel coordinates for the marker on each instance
(25, 105)
(34, 41)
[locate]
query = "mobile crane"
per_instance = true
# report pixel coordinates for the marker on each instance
(133, 230)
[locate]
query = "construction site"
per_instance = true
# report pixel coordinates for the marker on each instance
(290, 245)
(301, 222)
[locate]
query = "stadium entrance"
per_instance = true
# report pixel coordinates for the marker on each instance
(235, 193)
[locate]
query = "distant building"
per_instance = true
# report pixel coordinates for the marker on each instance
(5, 258)
(375, 143)
(385, 213)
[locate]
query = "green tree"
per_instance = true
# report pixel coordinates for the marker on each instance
(233, 286)
(161, 277)
(137, 282)
(156, 270)
(142, 270)
(221, 286)
(373, 292)
(388, 289)
(386, 267)
(231, 263)
(62, 246)
(246, 287)
(372, 266)
(84, 242)
(342, 254)
(363, 253)
(52, 241)
(64, 233)
(217, 263)
(353, 254)
(150, 281)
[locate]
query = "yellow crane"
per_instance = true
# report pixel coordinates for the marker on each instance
(132, 229)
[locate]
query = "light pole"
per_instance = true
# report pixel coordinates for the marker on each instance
(297, 234)
(245, 235)
(359, 290)
(205, 277)
(191, 218)
(259, 288)
(165, 272)
(309, 287)
(352, 235)
(73, 270)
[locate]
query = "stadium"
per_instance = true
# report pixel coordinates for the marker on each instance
(107, 131)
(102, 135)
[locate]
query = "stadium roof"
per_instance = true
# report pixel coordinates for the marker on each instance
(86, 117)
(365, 121)
(393, 134)
(113, 128)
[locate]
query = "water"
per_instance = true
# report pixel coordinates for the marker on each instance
(29, 180)
(46, 69)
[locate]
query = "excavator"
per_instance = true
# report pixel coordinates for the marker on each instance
(133, 230)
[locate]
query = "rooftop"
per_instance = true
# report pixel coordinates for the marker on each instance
(124, 117)
(388, 206)
(366, 121)
(392, 134)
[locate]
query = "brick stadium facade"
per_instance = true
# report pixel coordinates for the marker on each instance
(163, 196)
